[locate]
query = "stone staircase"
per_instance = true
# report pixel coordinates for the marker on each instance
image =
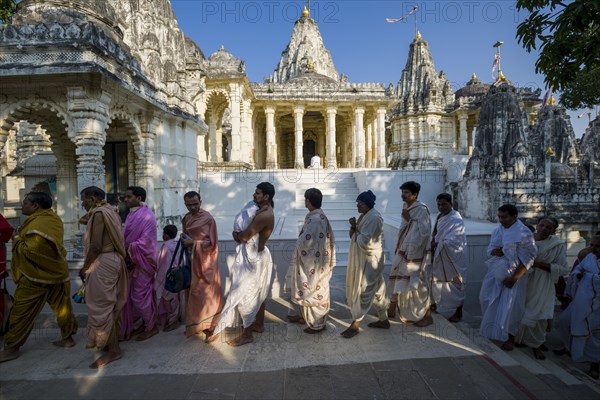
(339, 204)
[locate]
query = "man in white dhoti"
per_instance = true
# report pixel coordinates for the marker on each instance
(579, 324)
(312, 264)
(365, 285)
(315, 161)
(408, 287)
(549, 264)
(512, 252)
(252, 267)
(449, 264)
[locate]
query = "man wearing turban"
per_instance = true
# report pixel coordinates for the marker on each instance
(365, 285)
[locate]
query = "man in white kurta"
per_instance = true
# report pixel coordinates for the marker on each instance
(511, 254)
(579, 324)
(550, 263)
(365, 284)
(449, 264)
(408, 287)
(312, 265)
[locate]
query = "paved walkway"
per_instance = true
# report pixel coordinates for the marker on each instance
(442, 361)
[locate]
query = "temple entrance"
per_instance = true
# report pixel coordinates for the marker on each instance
(116, 167)
(308, 150)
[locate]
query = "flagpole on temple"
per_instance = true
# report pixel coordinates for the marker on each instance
(497, 58)
(415, 14)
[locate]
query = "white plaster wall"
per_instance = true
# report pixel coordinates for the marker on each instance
(224, 194)
(386, 186)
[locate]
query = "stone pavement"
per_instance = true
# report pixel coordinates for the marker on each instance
(442, 361)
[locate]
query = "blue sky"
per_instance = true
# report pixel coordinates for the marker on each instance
(363, 46)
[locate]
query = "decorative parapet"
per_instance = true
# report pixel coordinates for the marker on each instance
(320, 89)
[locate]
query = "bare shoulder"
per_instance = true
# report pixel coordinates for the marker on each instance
(265, 218)
(97, 218)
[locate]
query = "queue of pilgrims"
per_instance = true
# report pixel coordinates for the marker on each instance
(124, 278)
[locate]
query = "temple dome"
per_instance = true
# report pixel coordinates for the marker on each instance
(68, 11)
(193, 50)
(223, 62)
(473, 88)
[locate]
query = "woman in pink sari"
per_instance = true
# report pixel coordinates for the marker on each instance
(140, 243)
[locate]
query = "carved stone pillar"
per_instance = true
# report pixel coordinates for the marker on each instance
(212, 138)
(462, 138)
(369, 160)
(90, 119)
(201, 148)
(149, 132)
(380, 138)
(298, 130)
(350, 150)
(247, 144)
(67, 206)
(359, 129)
(271, 140)
(331, 145)
(375, 144)
(236, 142)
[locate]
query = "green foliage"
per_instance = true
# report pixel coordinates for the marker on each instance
(567, 35)
(7, 9)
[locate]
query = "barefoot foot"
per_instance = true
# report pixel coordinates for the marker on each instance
(312, 331)
(426, 321)
(9, 354)
(296, 319)
(66, 343)
(105, 359)
(350, 333)
(594, 371)
(509, 345)
(147, 335)
(391, 311)
(457, 316)
(240, 341)
(385, 324)
(212, 338)
(538, 354)
(171, 327)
